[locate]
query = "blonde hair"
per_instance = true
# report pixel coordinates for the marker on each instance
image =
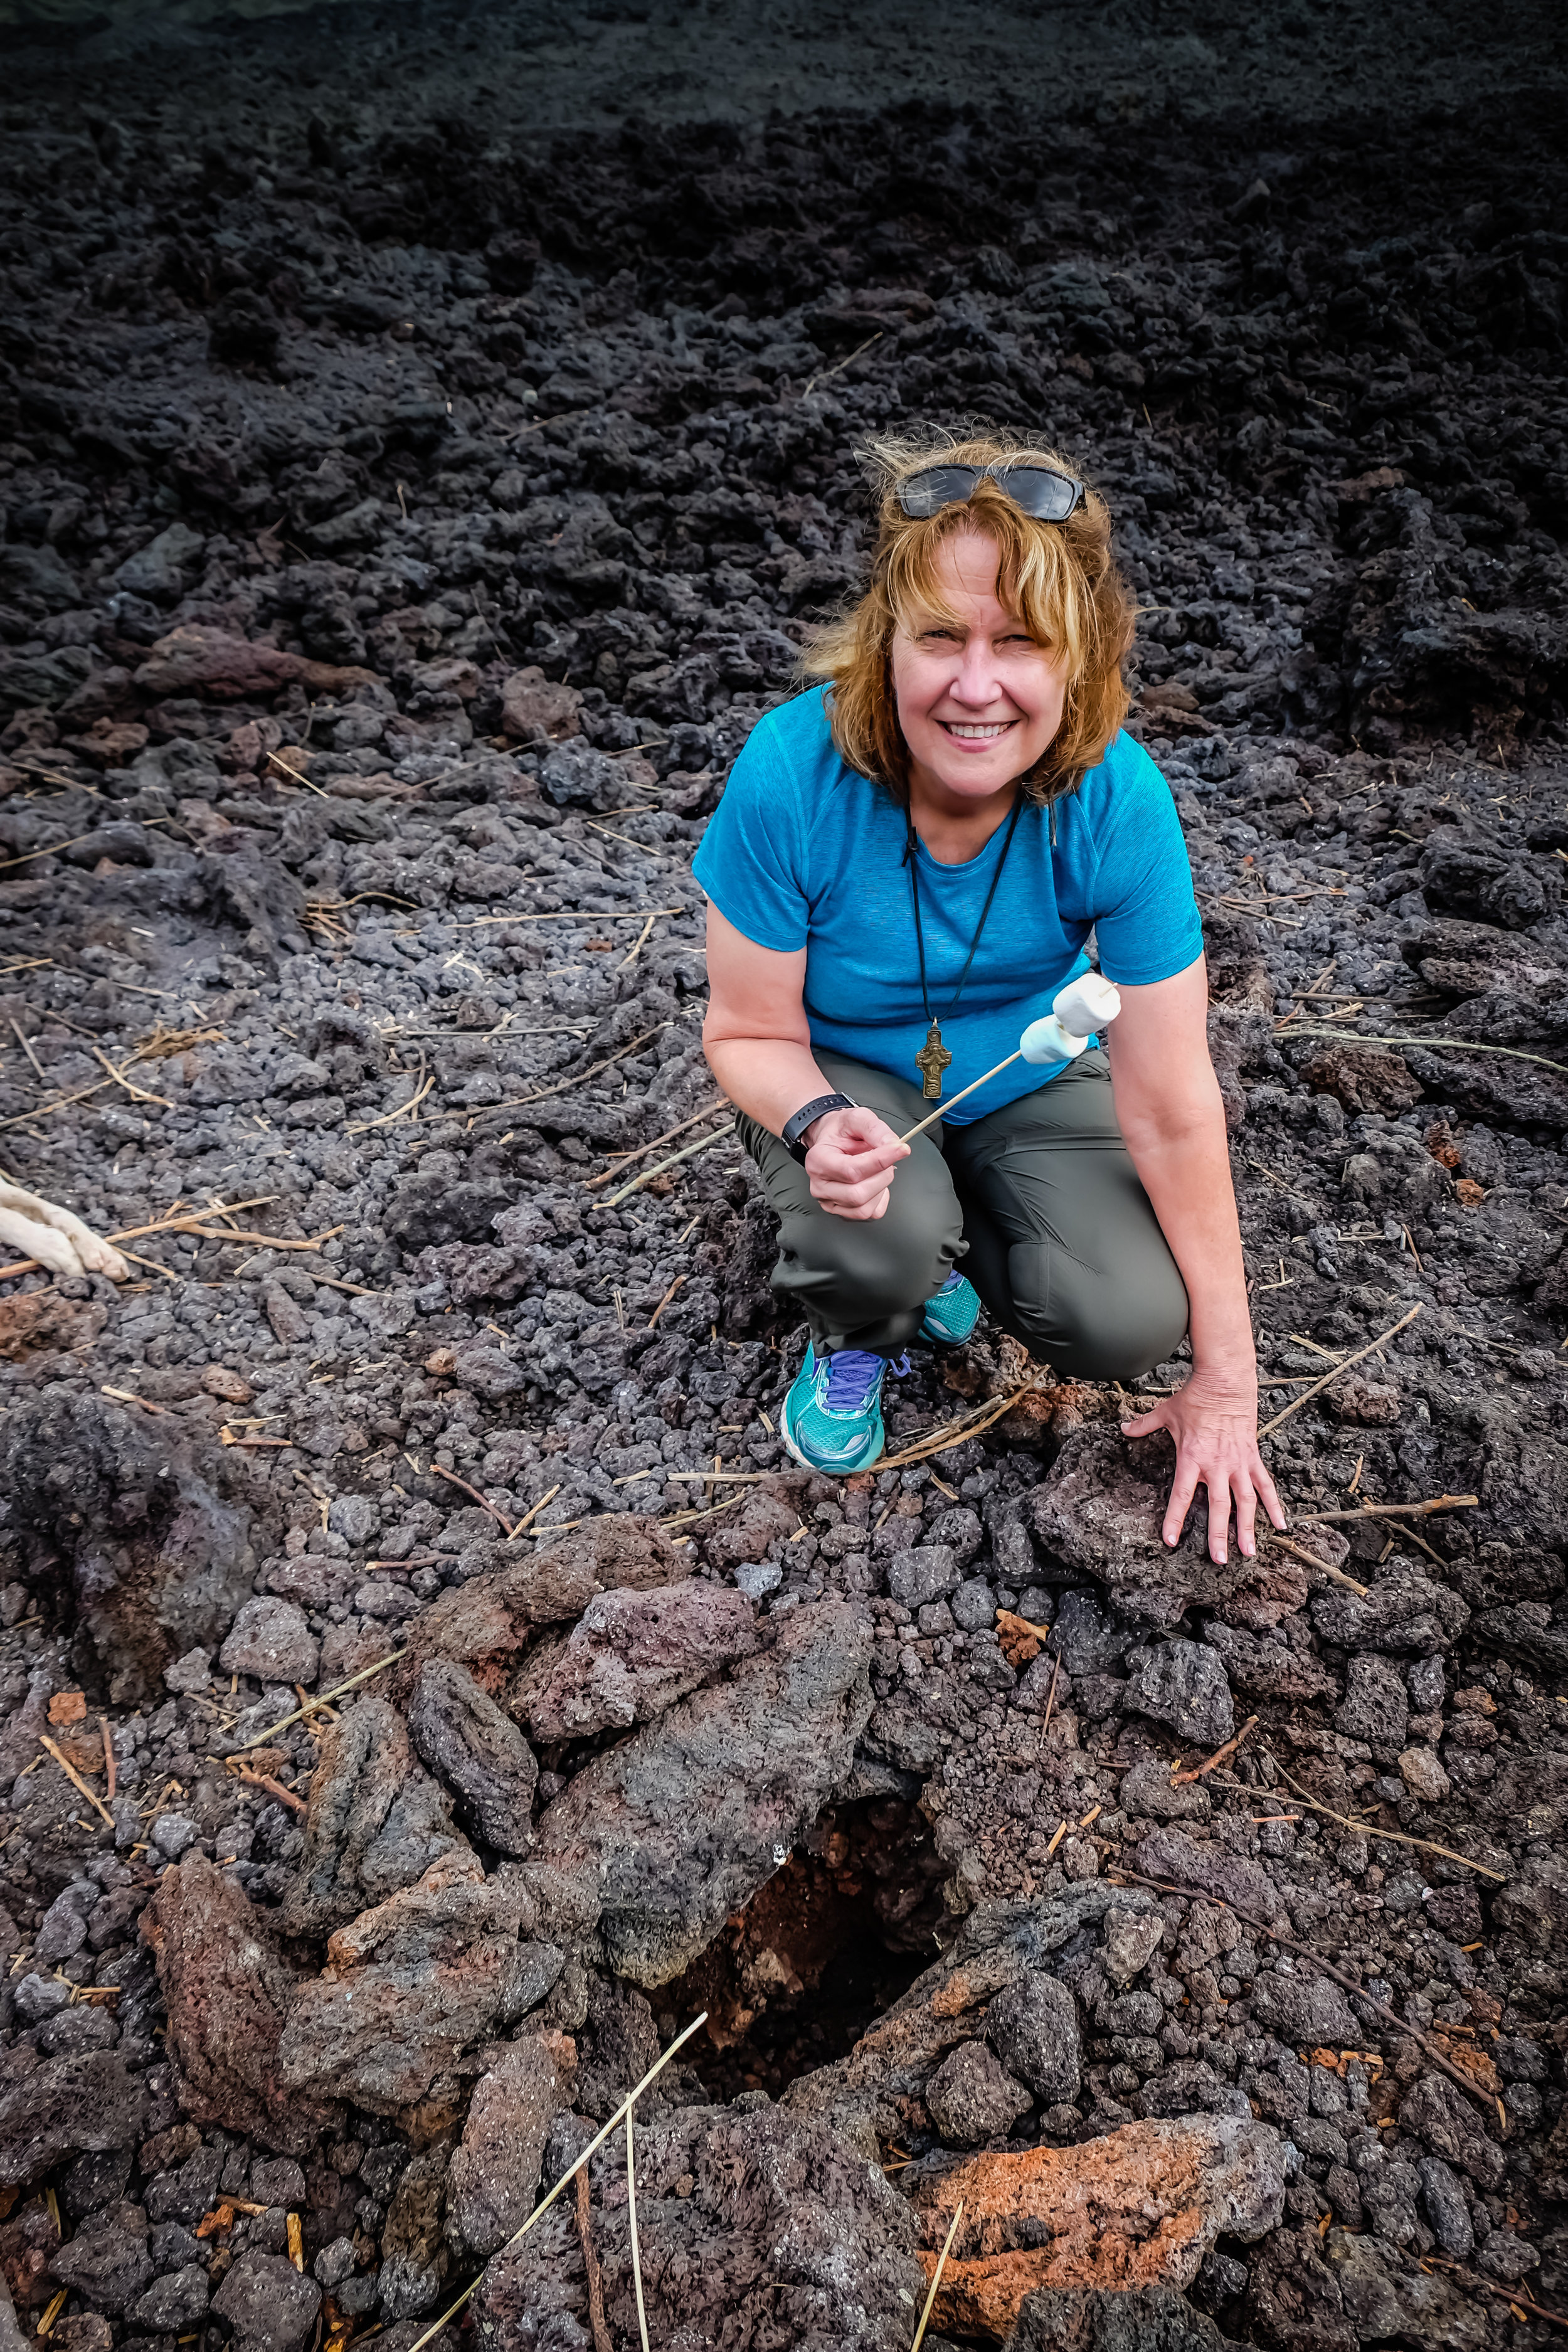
(1060, 577)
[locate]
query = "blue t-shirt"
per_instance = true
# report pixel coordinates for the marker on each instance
(804, 852)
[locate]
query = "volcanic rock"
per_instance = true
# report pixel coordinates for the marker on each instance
(631, 1655)
(1098, 1509)
(756, 2230)
(1307, 2008)
(485, 1621)
(1139, 2207)
(1100, 2319)
(1435, 2111)
(999, 1946)
(64, 2106)
(272, 1641)
(376, 1821)
(1184, 1683)
(227, 1989)
(126, 1530)
(971, 2096)
(1032, 2027)
(105, 2263)
(267, 2304)
(478, 1751)
(494, 2175)
(657, 1841)
(1208, 1869)
(407, 1988)
(1387, 2297)
(413, 2260)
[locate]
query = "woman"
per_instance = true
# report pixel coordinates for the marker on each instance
(905, 869)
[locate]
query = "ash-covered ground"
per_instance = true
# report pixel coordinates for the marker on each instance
(403, 528)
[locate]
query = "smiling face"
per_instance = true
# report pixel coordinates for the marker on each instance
(979, 698)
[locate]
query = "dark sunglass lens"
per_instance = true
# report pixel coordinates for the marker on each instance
(1048, 497)
(939, 485)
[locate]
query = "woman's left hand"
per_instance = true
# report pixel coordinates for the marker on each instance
(1214, 1423)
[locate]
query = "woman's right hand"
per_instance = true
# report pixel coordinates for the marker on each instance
(850, 1159)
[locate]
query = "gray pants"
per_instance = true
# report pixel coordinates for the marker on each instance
(1040, 1200)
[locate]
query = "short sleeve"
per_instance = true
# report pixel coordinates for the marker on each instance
(1147, 927)
(750, 862)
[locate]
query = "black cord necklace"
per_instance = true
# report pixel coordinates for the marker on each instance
(933, 1057)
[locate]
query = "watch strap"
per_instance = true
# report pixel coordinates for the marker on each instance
(794, 1128)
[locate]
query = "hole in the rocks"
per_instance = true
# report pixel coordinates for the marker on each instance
(832, 1940)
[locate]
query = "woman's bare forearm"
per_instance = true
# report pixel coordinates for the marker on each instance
(1184, 1168)
(769, 1079)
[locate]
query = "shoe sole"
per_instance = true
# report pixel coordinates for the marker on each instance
(828, 1470)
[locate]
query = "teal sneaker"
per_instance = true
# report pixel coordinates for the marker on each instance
(953, 1313)
(831, 1418)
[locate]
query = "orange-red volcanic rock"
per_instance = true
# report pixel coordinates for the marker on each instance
(1140, 2208)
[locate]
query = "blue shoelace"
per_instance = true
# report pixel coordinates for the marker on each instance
(853, 1377)
(953, 1279)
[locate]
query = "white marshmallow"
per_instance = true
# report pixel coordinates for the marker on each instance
(1084, 1005)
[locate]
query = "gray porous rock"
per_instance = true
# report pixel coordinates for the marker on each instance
(1098, 1510)
(1268, 1665)
(1184, 1683)
(1032, 2027)
(267, 2304)
(1386, 2296)
(408, 1987)
(1208, 1869)
(631, 1655)
(63, 2107)
(1000, 1945)
(478, 1753)
(494, 2175)
(489, 1618)
(658, 1840)
(1304, 2009)
(152, 1546)
(1128, 1941)
(178, 2300)
(105, 2263)
(1437, 2113)
(1443, 2200)
(414, 2255)
(1377, 1705)
(760, 2229)
(971, 2098)
(272, 1641)
(1404, 1613)
(1097, 2319)
(926, 1573)
(376, 1821)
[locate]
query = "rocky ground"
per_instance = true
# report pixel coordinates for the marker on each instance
(401, 537)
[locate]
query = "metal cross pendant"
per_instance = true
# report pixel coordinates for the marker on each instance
(930, 1061)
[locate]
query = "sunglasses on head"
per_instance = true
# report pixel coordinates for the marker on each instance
(1039, 490)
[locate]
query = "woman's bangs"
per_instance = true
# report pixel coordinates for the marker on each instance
(1035, 579)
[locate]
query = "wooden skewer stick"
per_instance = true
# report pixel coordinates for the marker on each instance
(942, 1108)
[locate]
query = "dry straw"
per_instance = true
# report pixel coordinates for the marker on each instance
(628, 2104)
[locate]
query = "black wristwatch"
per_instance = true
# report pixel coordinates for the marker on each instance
(795, 1129)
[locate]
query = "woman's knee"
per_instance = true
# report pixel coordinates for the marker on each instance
(1111, 1327)
(881, 1266)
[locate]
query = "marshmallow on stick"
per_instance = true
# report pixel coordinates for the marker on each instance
(1080, 1008)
